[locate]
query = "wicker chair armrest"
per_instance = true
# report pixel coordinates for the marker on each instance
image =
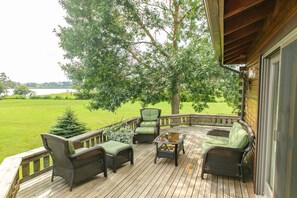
(87, 153)
(219, 132)
(139, 120)
(78, 144)
(223, 154)
(158, 122)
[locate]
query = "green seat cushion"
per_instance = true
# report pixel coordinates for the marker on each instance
(239, 139)
(113, 147)
(216, 139)
(207, 145)
(148, 124)
(145, 130)
(150, 114)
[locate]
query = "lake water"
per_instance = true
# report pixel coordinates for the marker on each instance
(39, 92)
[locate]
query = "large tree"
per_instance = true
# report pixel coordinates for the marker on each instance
(145, 50)
(5, 83)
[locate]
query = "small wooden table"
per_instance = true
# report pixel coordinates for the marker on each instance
(168, 145)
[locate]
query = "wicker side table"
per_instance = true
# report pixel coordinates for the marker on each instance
(169, 145)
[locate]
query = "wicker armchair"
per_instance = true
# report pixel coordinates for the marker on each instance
(223, 160)
(73, 165)
(148, 125)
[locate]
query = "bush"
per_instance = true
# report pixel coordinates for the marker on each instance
(68, 125)
(41, 97)
(15, 97)
(21, 90)
(120, 133)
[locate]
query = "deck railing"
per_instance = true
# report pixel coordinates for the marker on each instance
(25, 166)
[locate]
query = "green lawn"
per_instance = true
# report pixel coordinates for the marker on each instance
(22, 121)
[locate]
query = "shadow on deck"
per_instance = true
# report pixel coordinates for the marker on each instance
(146, 179)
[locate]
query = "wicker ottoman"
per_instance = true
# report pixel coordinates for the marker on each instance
(117, 153)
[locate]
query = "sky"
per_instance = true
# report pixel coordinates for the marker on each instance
(29, 49)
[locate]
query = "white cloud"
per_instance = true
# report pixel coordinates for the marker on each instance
(29, 50)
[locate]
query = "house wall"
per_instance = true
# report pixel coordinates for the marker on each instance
(279, 24)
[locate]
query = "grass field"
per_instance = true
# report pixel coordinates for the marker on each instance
(22, 121)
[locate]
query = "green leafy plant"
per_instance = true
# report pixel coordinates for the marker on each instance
(120, 133)
(21, 90)
(68, 125)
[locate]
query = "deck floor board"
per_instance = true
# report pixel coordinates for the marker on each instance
(147, 179)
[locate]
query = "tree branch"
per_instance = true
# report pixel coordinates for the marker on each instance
(154, 42)
(147, 32)
(134, 55)
(140, 42)
(183, 17)
(175, 25)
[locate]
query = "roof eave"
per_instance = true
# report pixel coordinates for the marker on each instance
(214, 12)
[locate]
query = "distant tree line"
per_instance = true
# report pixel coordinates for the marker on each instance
(23, 88)
(50, 85)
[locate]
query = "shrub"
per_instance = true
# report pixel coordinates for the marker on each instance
(68, 125)
(120, 133)
(41, 97)
(15, 97)
(22, 90)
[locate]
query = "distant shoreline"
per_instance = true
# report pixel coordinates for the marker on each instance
(46, 91)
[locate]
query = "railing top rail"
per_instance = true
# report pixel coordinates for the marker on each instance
(8, 174)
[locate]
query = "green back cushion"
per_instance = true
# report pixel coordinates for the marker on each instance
(150, 114)
(71, 147)
(239, 139)
(235, 127)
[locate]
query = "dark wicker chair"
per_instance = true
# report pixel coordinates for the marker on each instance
(148, 125)
(74, 167)
(226, 161)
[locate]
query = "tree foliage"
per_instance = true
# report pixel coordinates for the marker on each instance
(229, 87)
(144, 50)
(21, 90)
(5, 83)
(68, 125)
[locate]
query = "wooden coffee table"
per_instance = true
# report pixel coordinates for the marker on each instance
(169, 145)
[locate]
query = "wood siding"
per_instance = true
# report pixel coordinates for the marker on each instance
(279, 24)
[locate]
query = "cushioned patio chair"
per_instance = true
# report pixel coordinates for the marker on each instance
(148, 125)
(224, 151)
(74, 165)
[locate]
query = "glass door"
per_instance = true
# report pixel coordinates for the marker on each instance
(272, 128)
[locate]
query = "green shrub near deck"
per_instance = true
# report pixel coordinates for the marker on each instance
(68, 125)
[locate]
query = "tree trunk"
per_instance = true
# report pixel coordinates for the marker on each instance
(175, 101)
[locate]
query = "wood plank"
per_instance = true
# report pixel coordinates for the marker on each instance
(193, 172)
(179, 180)
(214, 186)
(233, 7)
(249, 17)
(9, 171)
(226, 186)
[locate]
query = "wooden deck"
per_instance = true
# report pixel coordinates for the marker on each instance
(146, 179)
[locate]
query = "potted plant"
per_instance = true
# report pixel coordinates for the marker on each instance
(120, 133)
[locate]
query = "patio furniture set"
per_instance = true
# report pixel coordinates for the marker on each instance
(76, 163)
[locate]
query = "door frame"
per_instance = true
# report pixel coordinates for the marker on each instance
(262, 110)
